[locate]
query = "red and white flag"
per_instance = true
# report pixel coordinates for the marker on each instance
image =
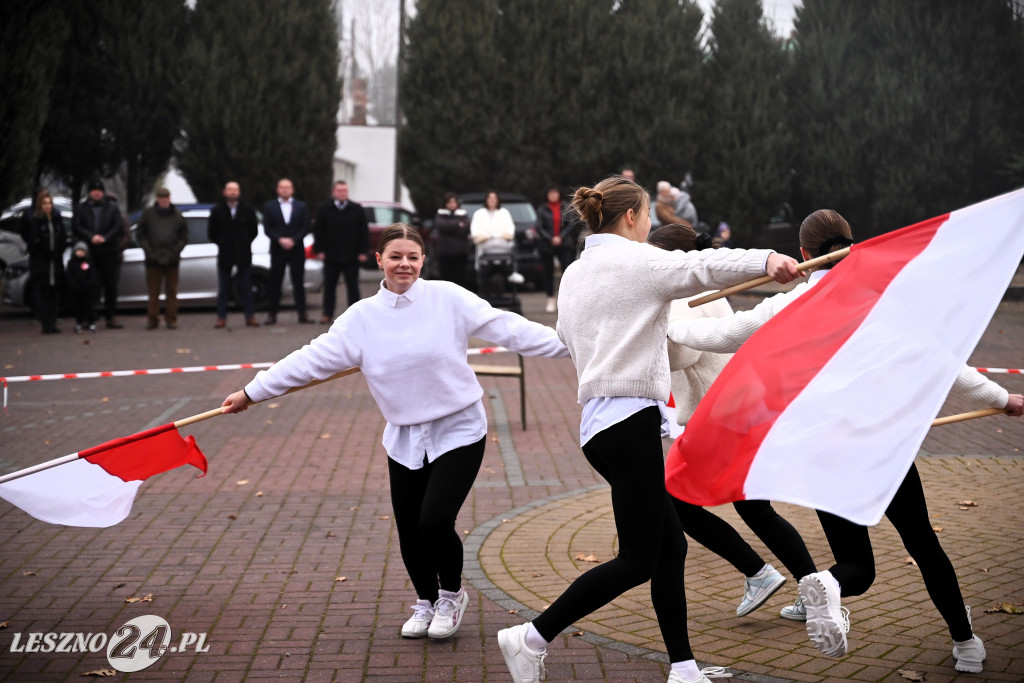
(827, 404)
(97, 486)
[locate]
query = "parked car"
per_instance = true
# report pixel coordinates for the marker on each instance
(380, 215)
(525, 218)
(12, 247)
(197, 280)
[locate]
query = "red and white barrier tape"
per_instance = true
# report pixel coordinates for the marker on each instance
(171, 371)
(1001, 371)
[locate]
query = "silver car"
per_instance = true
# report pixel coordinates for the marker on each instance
(197, 276)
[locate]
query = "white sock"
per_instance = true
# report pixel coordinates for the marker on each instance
(448, 594)
(688, 669)
(534, 640)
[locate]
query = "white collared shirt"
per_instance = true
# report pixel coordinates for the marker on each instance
(286, 209)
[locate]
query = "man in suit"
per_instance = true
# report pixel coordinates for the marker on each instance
(286, 221)
(98, 223)
(233, 226)
(341, 239)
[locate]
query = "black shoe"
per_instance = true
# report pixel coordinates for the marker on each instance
(112, 324)
(305, 320)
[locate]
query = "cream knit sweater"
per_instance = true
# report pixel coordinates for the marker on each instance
(613, 309)
(694, 371)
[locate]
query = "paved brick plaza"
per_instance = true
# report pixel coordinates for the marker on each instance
(258, 565)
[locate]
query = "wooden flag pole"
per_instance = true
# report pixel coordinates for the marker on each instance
(950, 419)
(177, 425)
(831, 257)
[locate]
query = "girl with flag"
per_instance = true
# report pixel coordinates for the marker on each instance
(693, 372)
(410, 342)
(613, 312)
(828, 622)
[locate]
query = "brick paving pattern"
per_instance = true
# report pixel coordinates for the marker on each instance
(286, 556)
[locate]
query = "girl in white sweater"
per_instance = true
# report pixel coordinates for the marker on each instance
(613, 314)
(410, 342)
(854, 571)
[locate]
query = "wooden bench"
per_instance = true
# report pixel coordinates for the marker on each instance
(507, 371)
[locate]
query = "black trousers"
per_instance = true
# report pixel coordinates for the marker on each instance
(651, 543)
(83, 302)
(108, 268)
(566, 254)
(49, 302)
(332, 271)
(294, 260)
(452, 267)
(426, 502)
(908, 512)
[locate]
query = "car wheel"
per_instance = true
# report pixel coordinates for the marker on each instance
(259, 282)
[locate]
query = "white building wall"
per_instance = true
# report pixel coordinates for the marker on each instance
(365, 159)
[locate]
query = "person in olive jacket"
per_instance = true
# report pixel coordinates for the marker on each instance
(162, 234)
(46, 242)
(341, 239)
(232, 227)
(98, 223)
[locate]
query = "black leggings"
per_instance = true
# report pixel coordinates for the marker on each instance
(651, 542)
(718, 536)
(426, 502)
(908, 512)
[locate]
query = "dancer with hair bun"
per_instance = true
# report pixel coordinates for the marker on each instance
(613, 314)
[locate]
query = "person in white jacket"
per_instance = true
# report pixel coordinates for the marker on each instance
(854, 571)
(410, 342)
(493, 232)
(693, 372)
(613, 312)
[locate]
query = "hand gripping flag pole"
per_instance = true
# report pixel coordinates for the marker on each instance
(96, 487)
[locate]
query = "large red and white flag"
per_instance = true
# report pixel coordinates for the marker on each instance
(97, 486)
(827, 404)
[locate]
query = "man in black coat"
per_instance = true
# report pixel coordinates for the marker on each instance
(98, 223)
(341, 239)
(286, 221)
(233, 226)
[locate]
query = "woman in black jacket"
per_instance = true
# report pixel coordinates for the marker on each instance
(452, 226)
(46, 241)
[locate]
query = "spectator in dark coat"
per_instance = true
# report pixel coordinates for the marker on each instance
(162, 234)
(286, 221)
(46, 242)
(341, 239)
(232, 227)
(98, 223)
(452, 226)
(83, 288)
(557, 230)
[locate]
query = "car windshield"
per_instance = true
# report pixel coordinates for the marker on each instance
(522, 212)
(387, 215)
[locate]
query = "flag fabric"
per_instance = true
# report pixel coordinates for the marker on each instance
(827, 404)
(97, 489)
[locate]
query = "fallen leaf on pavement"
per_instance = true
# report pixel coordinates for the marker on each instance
(505, 521)
(101, 673)
(587, 558)
(118, 585)
(241, 482)
(232, 517)
(354, 508)
(148, 597)
(183, 350)
(384, 517)
(909, 560)
(273, 405)
(104, 400)
(465, 532)
(577, 634)
(513, 611)
(4, 624)
(329, 534)
(494, 439)
(342, 578)
(259, 494)
(325, 436)
(911, 675)
(30, 573)
(1006, 608)
(985, 569)
(937, 529)
(968, 503)
(963, 508)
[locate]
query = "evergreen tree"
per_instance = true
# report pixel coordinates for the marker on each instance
(31, 36)
(744, 149)
(263, 98)
(905, 110)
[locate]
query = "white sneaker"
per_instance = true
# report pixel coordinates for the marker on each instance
(525, 665)
(796, 611)
(827, 622)
(706, 674)
(448, 612)
(418, 624)
(969, 655)
(551, 306)
(757, 589)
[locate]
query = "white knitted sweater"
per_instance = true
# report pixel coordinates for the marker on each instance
(694, 371)
(613, 309)
(725, 335)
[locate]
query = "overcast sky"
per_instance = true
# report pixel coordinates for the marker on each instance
(781, 12)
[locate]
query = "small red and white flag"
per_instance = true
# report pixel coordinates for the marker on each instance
(96, 487)
(827, 404)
